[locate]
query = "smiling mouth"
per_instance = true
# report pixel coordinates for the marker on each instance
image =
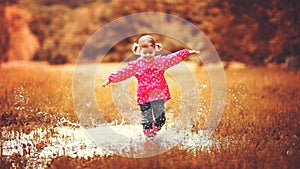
(148, 58)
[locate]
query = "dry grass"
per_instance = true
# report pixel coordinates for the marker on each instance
(260, 127)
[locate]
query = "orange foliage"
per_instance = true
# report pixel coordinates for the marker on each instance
(23, 44)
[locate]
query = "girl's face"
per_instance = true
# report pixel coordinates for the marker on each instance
(148, 53)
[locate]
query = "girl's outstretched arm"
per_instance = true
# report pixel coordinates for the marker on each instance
(194, 52)
(175, 58)
(120, 75)
(105, 83)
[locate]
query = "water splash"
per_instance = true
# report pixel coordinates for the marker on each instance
(40, 146)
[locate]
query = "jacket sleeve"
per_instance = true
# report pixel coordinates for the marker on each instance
(174, 58)
(123, 73)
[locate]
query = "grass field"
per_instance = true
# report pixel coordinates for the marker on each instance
(260, 126)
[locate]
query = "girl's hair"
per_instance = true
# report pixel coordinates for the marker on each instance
(144, 42)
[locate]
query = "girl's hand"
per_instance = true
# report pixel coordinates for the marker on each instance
(194, 52)
(105, 83)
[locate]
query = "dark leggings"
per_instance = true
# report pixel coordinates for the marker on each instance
(153, 110)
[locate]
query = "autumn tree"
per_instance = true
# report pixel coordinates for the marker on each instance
(260, 31)
(4, 33)
(4, 38)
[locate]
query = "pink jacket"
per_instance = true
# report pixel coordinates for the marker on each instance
(152, 84)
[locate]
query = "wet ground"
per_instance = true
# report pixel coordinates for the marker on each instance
(105, 139)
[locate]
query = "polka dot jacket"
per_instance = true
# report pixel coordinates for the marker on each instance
(152, 84)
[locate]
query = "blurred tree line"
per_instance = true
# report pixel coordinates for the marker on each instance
(251, 31)
(4, 35)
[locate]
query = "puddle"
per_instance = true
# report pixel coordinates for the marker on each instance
(40, 146)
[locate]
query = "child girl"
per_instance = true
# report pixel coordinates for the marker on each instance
(152, 91)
